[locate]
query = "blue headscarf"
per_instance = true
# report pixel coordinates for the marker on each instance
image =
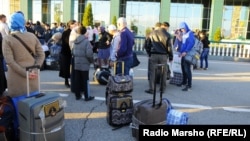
(17, 22)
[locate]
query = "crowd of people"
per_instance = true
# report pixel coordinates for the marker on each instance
(74, 45)
(23, 44)
(160, 46)
(111, 44)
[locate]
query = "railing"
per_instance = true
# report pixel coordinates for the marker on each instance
(231, 49)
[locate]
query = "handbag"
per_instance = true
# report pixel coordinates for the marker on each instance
(192, 57)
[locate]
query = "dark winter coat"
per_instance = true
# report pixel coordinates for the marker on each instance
(65, 55)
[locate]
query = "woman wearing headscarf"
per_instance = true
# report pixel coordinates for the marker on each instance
(18, 58)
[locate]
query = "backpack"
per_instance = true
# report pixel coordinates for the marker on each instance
(198, 45)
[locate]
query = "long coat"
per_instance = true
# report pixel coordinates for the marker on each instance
(18, 58)
(65, 55)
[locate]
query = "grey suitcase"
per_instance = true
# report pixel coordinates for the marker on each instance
(41, 117)
(146, 112)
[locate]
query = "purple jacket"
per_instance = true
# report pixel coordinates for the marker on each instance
(126, 44)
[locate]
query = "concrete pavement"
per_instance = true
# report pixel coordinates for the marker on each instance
(220, 95)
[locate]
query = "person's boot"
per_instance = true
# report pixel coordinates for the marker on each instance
(67, 83)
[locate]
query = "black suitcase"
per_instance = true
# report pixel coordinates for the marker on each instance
(101, 75)
(146, 112)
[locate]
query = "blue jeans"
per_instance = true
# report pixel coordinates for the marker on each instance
(128, 62)
(186, 72)
(204, 56)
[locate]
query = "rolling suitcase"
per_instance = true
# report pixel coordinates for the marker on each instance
(119, 100)
(146, 112)
(119, 109)
(41, 116)
(120, 83)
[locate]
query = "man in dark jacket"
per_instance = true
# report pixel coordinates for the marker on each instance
(159, 48)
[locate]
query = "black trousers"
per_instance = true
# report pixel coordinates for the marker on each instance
(155, 59)
(81, 79)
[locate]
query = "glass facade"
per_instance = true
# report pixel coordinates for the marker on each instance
(143, 14)
(47, 11)
(235, 22)
(101, 11)
(139, 19)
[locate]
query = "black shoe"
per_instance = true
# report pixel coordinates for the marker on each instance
(181, 85)
(78, 98)
(187, 88)
(90, 98)
(163, 91)
(67, 85)
(149, 91)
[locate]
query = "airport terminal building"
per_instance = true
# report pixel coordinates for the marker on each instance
(231, 16)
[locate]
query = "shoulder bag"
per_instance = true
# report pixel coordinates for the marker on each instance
(24, 44)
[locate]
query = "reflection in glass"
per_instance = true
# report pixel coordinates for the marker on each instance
(139, 19)
(192, 14)
(234, 23)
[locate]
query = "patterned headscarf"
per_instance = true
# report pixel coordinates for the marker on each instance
(17, 22)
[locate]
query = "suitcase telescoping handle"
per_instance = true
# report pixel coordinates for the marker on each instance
(115, 66)
(161, 82)
(28, 69)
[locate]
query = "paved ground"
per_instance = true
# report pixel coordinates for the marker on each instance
(220, 95)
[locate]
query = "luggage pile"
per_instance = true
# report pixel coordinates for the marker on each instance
(119, 99)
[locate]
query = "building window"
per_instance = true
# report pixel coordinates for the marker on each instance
(139, 19)
(235, 20)
(47, 11)
(79, 7)
(192, 14)
(36, 10)
(14, 6)
(3, 8)
(101, 11)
